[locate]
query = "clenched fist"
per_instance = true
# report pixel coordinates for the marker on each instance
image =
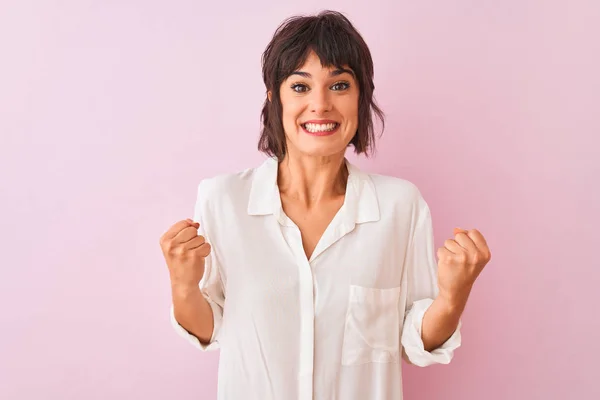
(184, 251)
(460, 262)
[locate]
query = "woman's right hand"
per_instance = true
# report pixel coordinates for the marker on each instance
(184, 251)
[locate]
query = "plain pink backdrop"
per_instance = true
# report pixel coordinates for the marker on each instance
(112, 111)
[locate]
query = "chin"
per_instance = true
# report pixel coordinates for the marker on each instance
(322, 150)
(319, 146)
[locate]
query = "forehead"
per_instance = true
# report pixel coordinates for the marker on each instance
(313, 68)
(314, 62)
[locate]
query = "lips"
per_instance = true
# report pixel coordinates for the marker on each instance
(320, 127)
(320, 121)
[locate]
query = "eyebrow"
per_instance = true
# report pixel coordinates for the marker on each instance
(335, 72)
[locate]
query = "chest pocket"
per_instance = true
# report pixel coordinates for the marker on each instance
(372, 327)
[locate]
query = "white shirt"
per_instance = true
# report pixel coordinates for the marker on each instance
(333, 327)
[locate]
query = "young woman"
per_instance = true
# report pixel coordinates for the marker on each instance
(313, 277)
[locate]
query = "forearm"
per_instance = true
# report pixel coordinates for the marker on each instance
(193, 312)
(441, 320)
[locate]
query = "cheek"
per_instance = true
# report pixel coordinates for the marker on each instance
(349, 108)
(291, 113)
(351, 114)
(289, 122)
(289, 119)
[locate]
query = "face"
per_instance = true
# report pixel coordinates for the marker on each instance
(320, 109)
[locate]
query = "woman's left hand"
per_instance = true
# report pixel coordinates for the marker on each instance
(460, 262)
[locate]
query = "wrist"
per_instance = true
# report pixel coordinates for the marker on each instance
(184, 290)
(455, 302)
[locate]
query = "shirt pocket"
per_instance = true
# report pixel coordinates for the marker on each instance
(372, 327)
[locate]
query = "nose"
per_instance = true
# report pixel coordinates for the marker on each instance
(320, 101)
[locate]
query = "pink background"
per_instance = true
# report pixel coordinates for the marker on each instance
(112, 111)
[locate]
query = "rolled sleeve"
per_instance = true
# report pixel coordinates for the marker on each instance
(213, 344)
(421, 269)
(412, 343)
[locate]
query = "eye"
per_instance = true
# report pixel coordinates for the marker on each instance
(299, 88)
(340, 86)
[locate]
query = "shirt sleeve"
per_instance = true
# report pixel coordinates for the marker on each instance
(211, 284)
(422, 290)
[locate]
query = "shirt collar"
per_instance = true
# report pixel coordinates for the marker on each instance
(360, 202)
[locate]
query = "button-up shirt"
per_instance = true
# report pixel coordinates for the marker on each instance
(333, 326)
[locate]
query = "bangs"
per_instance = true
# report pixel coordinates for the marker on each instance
(332, 42)
(333, 49)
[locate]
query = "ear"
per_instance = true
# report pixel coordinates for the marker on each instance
(269, 95)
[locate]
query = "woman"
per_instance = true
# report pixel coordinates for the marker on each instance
(313, 277)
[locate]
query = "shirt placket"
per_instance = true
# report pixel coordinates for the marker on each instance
(307, 289)
(307, 306)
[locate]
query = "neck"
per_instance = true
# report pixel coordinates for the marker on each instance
(312, 180)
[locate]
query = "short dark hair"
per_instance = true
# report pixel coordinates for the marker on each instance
(337, 43)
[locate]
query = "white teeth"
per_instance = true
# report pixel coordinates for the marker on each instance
(320, 127)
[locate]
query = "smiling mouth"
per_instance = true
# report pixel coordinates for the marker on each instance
(317, 129)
